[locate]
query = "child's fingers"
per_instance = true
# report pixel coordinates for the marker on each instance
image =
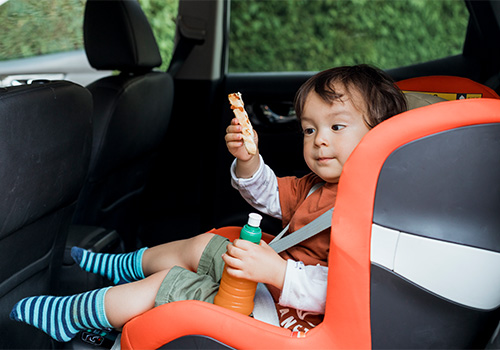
(233, 137)
(234, 140)
(232, 262)
(233, 251)
(233, 129)
(243, 244)
(237, 273)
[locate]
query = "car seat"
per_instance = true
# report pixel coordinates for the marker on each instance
(45, 145)
(414, 250)
(131, 114)
(447, 87)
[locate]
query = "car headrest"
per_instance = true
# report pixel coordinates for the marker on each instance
(117, 36)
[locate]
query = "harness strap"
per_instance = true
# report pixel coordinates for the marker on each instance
(319, 224)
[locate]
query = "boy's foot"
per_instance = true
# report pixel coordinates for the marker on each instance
(63, 317)
(119, 268)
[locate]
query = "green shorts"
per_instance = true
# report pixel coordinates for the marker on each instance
(182, 284)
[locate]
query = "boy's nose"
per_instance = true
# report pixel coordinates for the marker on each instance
(321, 139)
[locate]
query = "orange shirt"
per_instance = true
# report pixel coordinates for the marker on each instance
(299, 210)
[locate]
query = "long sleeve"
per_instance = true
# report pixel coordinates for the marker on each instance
(261, 190)
(304, 287)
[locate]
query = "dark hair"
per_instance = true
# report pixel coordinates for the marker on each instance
(383, 98)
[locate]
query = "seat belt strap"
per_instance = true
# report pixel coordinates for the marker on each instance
(285, 230)
(319, 224)
(188, 39)
(182, 51)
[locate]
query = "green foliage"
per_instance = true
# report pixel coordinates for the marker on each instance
(38, 27)
(162, 15)
(34, 27)
(295, 35)
(267, 35)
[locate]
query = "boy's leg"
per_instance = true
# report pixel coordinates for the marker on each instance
(63, 317)
(184, 253)
(123, 268)
(126, 301)
(119, 268)
(184, 284)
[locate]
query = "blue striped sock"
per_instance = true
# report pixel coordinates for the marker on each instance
(63, 317)
(119, 268)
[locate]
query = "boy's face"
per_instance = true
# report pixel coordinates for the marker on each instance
(332, 131)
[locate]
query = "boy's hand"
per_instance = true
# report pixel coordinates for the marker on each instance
(247, 164)
(234, 141)
(257, 263)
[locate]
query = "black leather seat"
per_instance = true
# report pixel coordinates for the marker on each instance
(45, 145)
(131, 114)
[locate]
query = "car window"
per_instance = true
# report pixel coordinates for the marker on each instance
(300, 35)
(162, 16)
(34, 28)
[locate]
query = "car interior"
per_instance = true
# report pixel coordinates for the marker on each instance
(130, 117)
(134, 156)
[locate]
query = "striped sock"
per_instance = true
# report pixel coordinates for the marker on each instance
(63, 317)
(119, 268)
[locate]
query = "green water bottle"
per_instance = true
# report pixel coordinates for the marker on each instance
(236, 293)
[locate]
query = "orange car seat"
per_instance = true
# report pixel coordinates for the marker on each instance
(414, 250)
(447, 87)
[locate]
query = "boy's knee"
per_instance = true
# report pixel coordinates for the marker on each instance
(197, 245)
(202, 240)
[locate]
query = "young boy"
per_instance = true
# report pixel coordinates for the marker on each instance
(336, 108)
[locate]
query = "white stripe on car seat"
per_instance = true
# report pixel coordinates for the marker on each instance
(463, 274)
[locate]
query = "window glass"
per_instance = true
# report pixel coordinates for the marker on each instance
(162, 15)
(33, 27)
(304, 35)
(37, 27)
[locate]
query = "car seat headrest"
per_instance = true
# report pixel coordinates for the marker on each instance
(418, 99)
(447, 87)
(117, 36)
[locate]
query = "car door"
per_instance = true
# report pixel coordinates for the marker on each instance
(266, 50)
(352, 33)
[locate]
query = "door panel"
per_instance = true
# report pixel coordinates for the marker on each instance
(71, 65)
(206, 199)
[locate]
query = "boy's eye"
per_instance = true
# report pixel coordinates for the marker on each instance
(337, 127)
(308, 131)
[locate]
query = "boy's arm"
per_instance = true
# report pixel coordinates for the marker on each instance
(245, 169)
(259, 188)
(260, 191)
(304, 287)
